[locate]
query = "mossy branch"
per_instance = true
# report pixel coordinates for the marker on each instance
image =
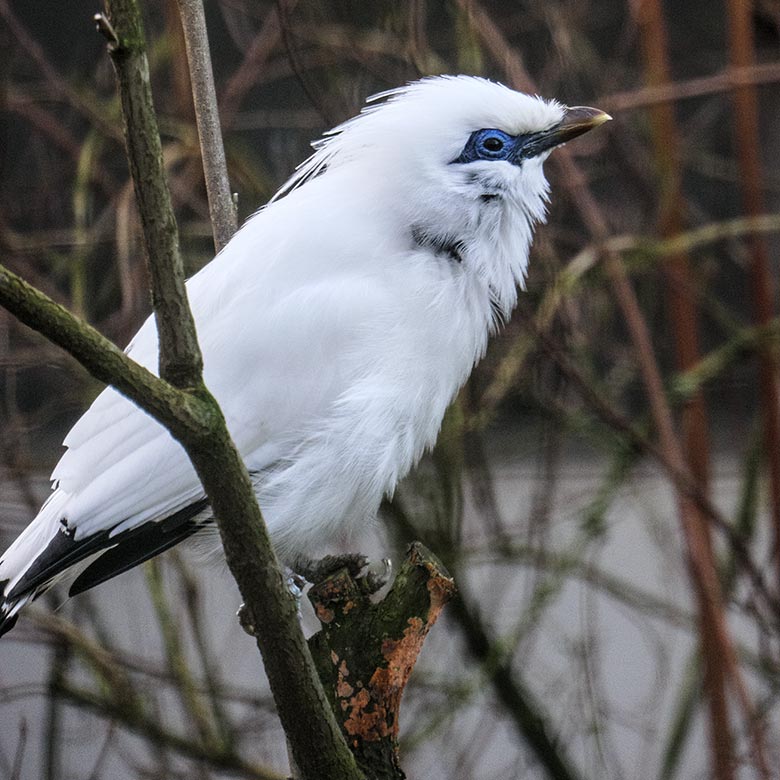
(317, 746)
(181, 362)
(177, 410)
(365, 652)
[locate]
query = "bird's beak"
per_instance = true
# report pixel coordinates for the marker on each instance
(576, 121)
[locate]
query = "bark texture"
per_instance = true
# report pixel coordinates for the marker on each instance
(365, 652)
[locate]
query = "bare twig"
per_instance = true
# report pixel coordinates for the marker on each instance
(221, 206)
(728, 79)
(215, 757)
(746, 118)
(180, 360)
(683, 314)
(61, 86)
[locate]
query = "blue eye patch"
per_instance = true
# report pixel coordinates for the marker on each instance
(488, 144)
(494, 144)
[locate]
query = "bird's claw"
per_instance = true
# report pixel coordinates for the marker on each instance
(295, 584)
(376, 575)
(371, 576)
(246, 620)
(315, 571)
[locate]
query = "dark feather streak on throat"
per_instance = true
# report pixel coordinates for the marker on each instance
(440, 245)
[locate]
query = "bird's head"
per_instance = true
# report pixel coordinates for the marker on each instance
(458, 159)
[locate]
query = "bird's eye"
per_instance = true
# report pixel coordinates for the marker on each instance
(487, 144)
(493, 143)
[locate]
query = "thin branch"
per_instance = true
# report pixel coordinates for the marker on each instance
(221, 206)
(103, 359)
(684, 316)
(180, 360)
(96, 113)
(151, 729)
(748, 147)
(727, 79)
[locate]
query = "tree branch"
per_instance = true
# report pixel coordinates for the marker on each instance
(178, 411)
(221, 206)
(365, 652)
(180, 360)
(215, 757)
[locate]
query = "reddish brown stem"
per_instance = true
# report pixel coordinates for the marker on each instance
(745, 102)
(684, 321)
(671, 92)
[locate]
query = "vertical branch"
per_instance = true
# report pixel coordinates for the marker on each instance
(672, 208)
(221, 206)
(745, 103)
(684, 320)
(180, 360)
(178, 666)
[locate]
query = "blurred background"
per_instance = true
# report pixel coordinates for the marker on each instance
(606, 489)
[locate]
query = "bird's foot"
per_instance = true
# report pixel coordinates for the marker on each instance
(371, 576)
(315, 571)
(376, 575)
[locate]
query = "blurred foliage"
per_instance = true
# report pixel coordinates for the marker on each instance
(549, 494)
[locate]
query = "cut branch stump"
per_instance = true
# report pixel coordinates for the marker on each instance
(365, 652)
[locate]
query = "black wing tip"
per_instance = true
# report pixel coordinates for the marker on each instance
(116, 555)
(139, 545)
(7, 622)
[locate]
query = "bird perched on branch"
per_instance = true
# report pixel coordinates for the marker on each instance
(336, 327)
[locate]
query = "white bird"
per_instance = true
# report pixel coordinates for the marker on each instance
(336, 327)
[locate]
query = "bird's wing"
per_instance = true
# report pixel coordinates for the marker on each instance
(276, 341)
(271, 372)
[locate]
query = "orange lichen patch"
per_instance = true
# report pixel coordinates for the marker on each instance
(373, 712)
(367, 718)
(441, 589)
(401, 655)
(324, 614)
(343, 689)
(375, 716)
